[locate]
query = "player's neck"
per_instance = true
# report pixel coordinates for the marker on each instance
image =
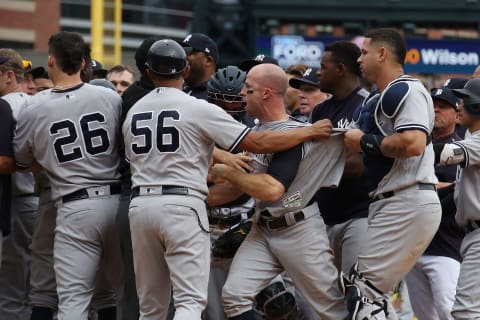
(388, 76)
(345, 88)
(64, 81)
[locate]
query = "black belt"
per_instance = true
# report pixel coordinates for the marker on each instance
(178, 190)
(266, 220)
(229, 220)
(83, 193)
(472, 226)
(389, 194)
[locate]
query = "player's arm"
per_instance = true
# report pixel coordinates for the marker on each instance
(354, 166)
(403, 144)
(7, 162)
(269, 186)
(275, 141)
(222, 192)
(449, 153)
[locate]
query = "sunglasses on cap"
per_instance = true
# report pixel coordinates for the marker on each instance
(27, 64)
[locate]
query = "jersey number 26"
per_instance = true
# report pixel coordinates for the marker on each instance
(96, 140)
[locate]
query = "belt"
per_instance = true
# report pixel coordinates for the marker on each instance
(178, 190)
(389, 194)
(267, 221)
(230, 220)
(472, 225)
(93, 192)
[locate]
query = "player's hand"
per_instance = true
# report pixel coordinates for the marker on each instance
(321, 129)
(239, 161)
(217, 172)
(352, 140)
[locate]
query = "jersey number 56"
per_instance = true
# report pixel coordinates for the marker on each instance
(168, 137)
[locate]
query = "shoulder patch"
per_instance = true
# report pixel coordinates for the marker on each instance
(393, 98)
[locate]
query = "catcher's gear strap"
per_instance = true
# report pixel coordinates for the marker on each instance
(450, 153)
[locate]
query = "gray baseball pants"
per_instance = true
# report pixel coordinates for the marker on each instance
(467, 299)
(303, 251)
(86, 240)
(431, 284)
(15, 271)
(171, 249)
(399, 230)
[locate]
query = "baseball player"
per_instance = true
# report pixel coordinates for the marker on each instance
(224, 212)
(203, 60)
(289, 234)
(395, 123)
(433, 279)
(7, 166)
(71, 131)
(168, 219)
(465, 153)
(16, 265)
(346, 220)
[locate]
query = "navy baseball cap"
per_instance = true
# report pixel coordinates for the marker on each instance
(37, 72)
(142, 51)
(309, 77)
(246, 65)
(202, 42)
(98, 70)
(447, 95)
(455, 83)
(3, 60)
(471, 96)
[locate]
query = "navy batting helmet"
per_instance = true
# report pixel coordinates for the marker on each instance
(471, 96)
(166, 58)
(226, 84)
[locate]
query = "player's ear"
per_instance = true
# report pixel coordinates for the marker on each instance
(50, 61)
(186, 71)
(383, 53)
(83, 64)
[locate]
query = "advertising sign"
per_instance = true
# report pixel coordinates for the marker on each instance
(423, 55)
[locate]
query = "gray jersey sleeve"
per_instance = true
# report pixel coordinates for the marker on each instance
(468, 188)
(221, 127)
(22, 140)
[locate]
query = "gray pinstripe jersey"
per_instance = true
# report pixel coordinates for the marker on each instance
(321, 166)
(73, 134)
(169, 138)
(22, 182)
(467, 190)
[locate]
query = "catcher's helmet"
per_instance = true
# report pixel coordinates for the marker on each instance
(166, 57)
(471, 96)
(226, 84)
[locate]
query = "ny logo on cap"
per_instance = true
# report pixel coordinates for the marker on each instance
(259, 58)
(438, 92)
(307, 72)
